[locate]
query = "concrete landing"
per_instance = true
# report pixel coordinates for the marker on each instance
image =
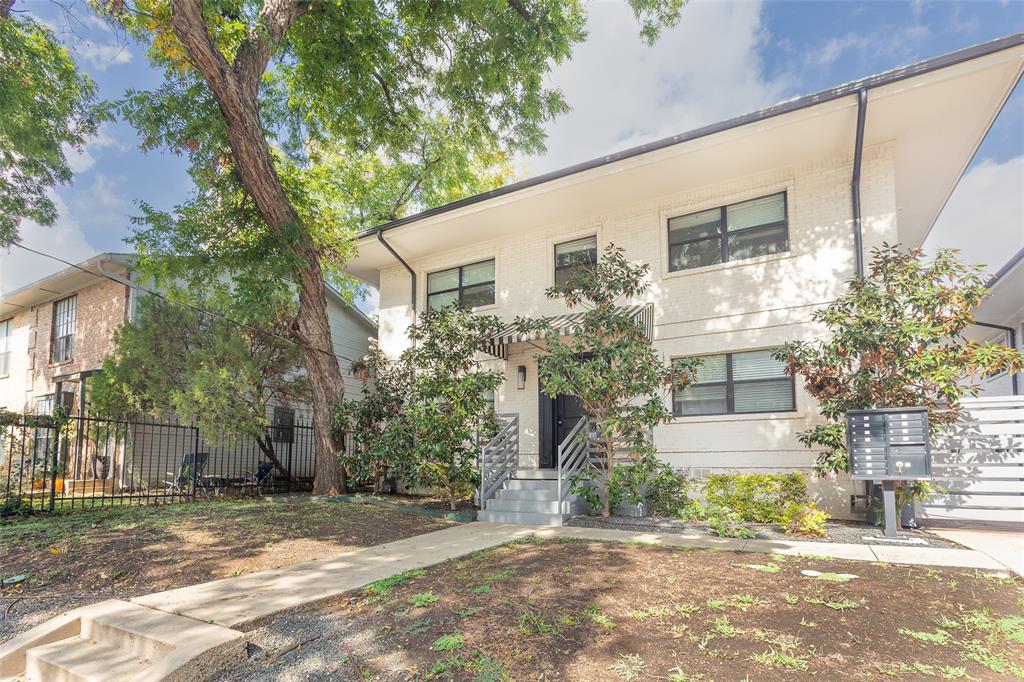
(234, 602)
(1006, 547)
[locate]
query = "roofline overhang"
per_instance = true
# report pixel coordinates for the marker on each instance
(846, 90)
(93, 262)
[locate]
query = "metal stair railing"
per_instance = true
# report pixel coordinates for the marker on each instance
(573, 454)
(499, 458)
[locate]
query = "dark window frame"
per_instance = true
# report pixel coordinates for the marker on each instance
(283, 427)
(554, 252)
(730, 390)
(67, 349)
(723, 231)
(461, 288)
(5, 367)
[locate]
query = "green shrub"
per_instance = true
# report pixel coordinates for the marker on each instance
(726, 523)
(804, 519)
(757, 498)
(669, 496)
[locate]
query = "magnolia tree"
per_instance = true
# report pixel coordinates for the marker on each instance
(896, 339)
(609, 364)
(448, 408)
(382, 438)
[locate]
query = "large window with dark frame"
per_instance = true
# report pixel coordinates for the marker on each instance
(470, 286)
(745, 230)
(5, 347)
(62, 341)
(579, 253)
(737, 383)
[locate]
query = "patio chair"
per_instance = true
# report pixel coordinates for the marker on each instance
(261, 479)
(192, 469)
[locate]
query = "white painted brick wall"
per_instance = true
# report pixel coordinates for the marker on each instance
(743, 305)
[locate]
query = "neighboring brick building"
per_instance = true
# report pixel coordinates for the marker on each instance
(58, 330)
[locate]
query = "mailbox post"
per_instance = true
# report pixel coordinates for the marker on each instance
(889, 445)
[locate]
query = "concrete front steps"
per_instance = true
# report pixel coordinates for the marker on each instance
(118, 640)
(530, 497)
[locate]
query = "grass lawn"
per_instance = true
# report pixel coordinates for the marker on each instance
(128, 551)
(607, 611)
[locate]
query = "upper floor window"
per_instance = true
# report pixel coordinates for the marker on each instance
(62, 347)
(283, 430)
(575, 254)
(750, 228)
(6, 328)
(470, 286)
(737, 383)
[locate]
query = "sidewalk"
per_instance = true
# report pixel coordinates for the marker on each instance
(1006, 547)
(234, 602)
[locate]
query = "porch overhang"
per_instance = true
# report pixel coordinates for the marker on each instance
(497, 345)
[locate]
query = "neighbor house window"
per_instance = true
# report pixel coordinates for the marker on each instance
(579, 253)
(737, 383)
(284, 425)
(63, 338)
(744, 230)
(470, 286)
(5, 347)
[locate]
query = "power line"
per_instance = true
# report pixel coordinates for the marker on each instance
(197, 309)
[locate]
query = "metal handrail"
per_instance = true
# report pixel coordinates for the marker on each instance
(573, 453)
(499, 458)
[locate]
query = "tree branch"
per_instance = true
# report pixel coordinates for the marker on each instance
(525, 14)
(273, 22)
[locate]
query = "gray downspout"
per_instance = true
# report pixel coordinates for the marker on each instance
(1012, 333)
(858, 152)
(412, 273)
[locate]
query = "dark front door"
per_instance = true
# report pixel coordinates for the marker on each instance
(558, 417)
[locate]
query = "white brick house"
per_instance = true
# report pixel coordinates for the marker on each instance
(748, 225)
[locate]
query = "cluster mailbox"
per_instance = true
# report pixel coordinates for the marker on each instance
(889, 444)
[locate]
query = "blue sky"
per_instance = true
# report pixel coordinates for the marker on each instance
(723, 59)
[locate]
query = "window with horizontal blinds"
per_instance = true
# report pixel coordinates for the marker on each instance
(579, 253)
(469, 286)
(737, 383)
(728, 233)
(5, 347)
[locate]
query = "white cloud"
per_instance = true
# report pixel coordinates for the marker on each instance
(983, 216)
(624, 92)
(891, 43)
(81, 160)
(102, 56)
(65, 240)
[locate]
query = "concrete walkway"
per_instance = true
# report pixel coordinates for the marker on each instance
(236, 602)
(1006, 547)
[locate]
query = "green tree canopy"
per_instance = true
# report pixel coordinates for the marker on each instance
(261, 93)
(174, 361)
(896, 339)
(46, 107)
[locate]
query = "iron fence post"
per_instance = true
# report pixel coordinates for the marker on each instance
(53, 464)
(291, 472)
(195, 458)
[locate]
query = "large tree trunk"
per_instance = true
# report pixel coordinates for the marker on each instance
(236, 87)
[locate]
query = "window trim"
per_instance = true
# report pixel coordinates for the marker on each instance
(723, 233)
(9, 323)
(730, 389)
(462, 287)
(53, 330)
(554, 254)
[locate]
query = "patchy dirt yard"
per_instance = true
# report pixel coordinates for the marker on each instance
(606, 611)
(128, 551)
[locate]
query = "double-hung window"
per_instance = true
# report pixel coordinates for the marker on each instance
(737, 383)
(62, 342)
(579, 253)
(6, 328)
(283, 430)
(750, 228)
(470, 286)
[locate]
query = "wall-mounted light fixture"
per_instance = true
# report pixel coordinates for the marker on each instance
(521, 377)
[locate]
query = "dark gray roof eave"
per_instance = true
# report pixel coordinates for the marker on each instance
(845, 90)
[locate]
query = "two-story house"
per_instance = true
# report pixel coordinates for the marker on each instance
(748, 226)
(55, 333)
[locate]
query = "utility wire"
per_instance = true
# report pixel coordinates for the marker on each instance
(197, 309)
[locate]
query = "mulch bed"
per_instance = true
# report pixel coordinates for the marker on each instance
(609, 611)
(128, 551)
(848, 532)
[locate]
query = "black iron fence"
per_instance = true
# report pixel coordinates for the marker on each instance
(51, 464)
